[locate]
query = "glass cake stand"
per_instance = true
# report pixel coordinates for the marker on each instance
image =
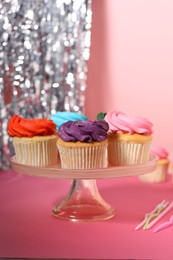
(83, 201)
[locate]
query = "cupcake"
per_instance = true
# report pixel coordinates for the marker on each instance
(61, 117)
(64, 116)
(129, 139)
(34, 140)
(161, 171)
(101, 115)
(83, 144)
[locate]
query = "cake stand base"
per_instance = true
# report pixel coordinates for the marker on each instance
(83, 203)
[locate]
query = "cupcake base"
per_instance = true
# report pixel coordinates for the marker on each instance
(83, 155)
(159, 174)
(36, 151)
(126, 149)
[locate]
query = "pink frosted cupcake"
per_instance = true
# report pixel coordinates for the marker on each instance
(161, 171)
(129, 139)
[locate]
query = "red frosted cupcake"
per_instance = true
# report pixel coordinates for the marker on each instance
(34, 140)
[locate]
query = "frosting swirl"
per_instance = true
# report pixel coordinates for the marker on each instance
(121, 123)
(63, 116)
(84, 131)
(21, 127)
(160, 152)
(101, 115)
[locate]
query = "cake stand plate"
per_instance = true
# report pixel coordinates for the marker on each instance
(84, 202)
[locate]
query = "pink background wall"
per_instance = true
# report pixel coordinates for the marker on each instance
(131, 63)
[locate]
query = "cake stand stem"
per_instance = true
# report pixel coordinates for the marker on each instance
(83, 203)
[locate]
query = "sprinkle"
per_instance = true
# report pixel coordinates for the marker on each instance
(164, 225)
(160, 216)
(153, 215)
(162, 204)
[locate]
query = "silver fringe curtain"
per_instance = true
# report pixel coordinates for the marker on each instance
(44, 49)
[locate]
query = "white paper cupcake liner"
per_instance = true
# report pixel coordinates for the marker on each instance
(40, 153)
(126, 153)
(83, 157)
(158, 175)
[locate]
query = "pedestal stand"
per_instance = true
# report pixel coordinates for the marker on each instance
(84, 202)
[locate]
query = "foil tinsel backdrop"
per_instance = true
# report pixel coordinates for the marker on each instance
(44, 49)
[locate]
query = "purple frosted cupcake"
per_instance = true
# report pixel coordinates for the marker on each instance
(83, 144)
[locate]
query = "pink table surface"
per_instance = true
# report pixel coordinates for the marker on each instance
(28, 230)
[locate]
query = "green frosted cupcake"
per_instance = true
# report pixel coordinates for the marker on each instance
(101, 115)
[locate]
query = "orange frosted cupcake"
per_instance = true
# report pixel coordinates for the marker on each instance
(34, 140)
(129, 139)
